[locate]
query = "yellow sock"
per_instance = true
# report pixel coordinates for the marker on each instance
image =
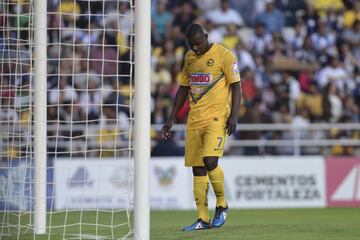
(216, 177)
(201, 188)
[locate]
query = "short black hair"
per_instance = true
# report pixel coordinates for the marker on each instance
(194, 29)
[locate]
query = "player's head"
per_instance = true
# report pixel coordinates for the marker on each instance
(197, 39)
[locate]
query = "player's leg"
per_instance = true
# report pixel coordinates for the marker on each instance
(201, 189)
(193, 158)
(216, 176)
(214, 139)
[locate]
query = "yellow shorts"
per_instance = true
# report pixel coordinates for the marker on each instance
(204, 142)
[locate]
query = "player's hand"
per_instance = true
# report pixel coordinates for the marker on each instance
(165, 131)
(231, 125)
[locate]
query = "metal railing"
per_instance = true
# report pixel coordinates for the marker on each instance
(300, 135)
(290, 136)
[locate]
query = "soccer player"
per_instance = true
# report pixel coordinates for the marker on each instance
(211, 78)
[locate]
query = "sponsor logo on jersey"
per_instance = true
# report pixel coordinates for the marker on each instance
(196, 90)
(200, 79)
(235, 67)
(205, 87)
(210, 62)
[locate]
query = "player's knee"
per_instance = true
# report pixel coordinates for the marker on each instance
(210, 163)
(199, 171)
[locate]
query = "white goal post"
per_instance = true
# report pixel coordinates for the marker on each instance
(142, 119)
(40, 118)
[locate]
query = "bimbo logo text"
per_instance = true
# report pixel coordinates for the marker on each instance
(200, 78)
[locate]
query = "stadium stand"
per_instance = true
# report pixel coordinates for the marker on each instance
(300, 62)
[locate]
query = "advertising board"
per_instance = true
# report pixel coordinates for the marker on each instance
(15, 185)
(343, 181)
(250, 182)
(92, 183)
(171, 184)
(275, 182)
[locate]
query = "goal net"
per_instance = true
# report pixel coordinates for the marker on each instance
(89, 185)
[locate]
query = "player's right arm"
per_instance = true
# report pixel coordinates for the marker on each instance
(181, 96)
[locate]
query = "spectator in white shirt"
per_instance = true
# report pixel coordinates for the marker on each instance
(225, 15)
(63, 92)
(294, 86)
(297, 41)
(207, 5)
(301, 119)
(244, 57)
(214, 34)
(113, 119)
(333, 73)
(332, 104)
(323, 40)
(260, 41)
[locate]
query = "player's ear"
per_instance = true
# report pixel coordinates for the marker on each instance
(206, 36)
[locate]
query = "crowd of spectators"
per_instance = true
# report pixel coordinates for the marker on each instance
(299, 63)
(89, 76)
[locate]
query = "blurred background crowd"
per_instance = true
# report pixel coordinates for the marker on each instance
(298, 59)
(299, 62)
(89, 76)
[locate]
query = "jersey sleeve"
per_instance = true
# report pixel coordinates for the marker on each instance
(184, 79)
(231, 68)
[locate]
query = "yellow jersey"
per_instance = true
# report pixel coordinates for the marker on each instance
(209, 76)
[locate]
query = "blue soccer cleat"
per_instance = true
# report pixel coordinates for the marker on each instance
(220, 216)
(198, 225)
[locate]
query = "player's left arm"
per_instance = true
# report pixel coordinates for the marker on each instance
(235, 105)
(231, 71)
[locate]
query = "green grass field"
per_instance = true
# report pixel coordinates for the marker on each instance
(287, 224)
(297, 224)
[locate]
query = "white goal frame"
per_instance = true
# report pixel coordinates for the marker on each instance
(142, 117)
(40, 118)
